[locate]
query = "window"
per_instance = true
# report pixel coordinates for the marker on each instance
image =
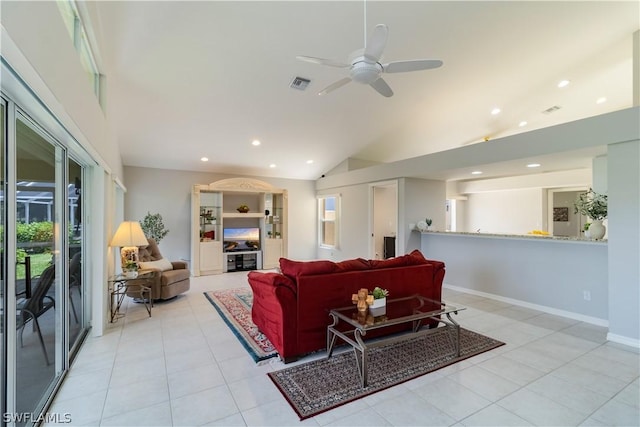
(328, 217)
(78, 34)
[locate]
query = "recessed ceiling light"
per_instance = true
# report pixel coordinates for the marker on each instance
(533, 165)
(476, 173)
(601, 100)
(309, 162)
(255, 142)
(204, 159)
(495, 111)
(272, 165)
(563, 83)
(522, 123)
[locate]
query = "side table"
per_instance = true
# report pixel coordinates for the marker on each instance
(121, 285)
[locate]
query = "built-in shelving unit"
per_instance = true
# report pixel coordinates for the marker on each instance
(215, 209)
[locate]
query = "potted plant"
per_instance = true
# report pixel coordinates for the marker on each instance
(594, 206)
(585, 229)
(153, 227)
(277, 234)
(130, 269)
(378, 308)
(269, 234)
(429, 221)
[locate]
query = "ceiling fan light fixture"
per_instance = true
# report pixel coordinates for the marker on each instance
(365, 72)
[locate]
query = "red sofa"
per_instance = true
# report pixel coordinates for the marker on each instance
(292, 307)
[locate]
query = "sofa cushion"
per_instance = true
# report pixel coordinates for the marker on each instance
(353, 265)
(416, 257)
(294, 269)
(400, 261)
(162, 264)
(151, 252)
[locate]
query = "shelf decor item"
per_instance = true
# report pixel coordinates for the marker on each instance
(362, 300)
(243, 208)
(428, 221)
(594, 206)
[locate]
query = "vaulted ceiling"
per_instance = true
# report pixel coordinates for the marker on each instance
(204, 79)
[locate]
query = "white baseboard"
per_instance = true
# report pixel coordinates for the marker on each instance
(619, 339)
(563, 313)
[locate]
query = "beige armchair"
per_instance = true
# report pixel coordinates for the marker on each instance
(171, 278)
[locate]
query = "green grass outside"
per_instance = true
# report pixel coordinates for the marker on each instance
(38, 263)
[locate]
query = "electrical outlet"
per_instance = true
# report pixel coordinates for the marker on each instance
(586, 295)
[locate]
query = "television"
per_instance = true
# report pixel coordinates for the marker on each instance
(241, 239)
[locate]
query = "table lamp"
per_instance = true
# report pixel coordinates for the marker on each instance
(128, 237)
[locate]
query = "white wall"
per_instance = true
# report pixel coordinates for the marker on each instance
(37, 46)
(354, 223)
(624, 241)
(505, 212)
(168, 192)
(420, 199)
(536, 271)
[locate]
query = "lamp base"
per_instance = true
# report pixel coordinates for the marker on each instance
(128, 253)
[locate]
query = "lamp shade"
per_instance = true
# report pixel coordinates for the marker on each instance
(129, 234)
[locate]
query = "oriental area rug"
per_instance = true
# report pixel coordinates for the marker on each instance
(318, 386)
(234, 306)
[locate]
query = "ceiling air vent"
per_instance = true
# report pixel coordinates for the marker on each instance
(299, 83)
(551, 109)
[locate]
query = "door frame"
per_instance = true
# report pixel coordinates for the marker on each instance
(372, 217)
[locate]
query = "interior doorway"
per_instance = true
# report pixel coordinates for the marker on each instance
(562, 219)
(384, 220)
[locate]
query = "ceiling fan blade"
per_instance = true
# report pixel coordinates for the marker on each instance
(414, 65)
(382, 87)
(335, 85)
(376, 43)
(323, 61)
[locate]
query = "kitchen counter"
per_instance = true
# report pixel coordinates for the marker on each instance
(515, 236)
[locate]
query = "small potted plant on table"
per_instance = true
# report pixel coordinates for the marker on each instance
(130, 269)
(379, 306)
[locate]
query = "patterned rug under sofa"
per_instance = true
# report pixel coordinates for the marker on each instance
(234, 306)
(318, 386)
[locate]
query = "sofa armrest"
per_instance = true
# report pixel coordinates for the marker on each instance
(179, 265)
(274, 310)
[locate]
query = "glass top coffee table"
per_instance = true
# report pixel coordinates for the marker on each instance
(351, 326)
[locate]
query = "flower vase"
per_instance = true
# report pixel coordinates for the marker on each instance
(379, 307)
(130, 274)
(597, 230)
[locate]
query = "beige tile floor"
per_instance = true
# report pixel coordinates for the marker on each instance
(184, 367)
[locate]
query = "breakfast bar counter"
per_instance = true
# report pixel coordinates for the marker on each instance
(560, 275)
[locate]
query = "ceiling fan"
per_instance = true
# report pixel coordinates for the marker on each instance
(365, 66)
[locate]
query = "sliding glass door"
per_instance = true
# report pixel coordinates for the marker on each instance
(39, 236)
(43, 296)
(76, 313)
(3, 259)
